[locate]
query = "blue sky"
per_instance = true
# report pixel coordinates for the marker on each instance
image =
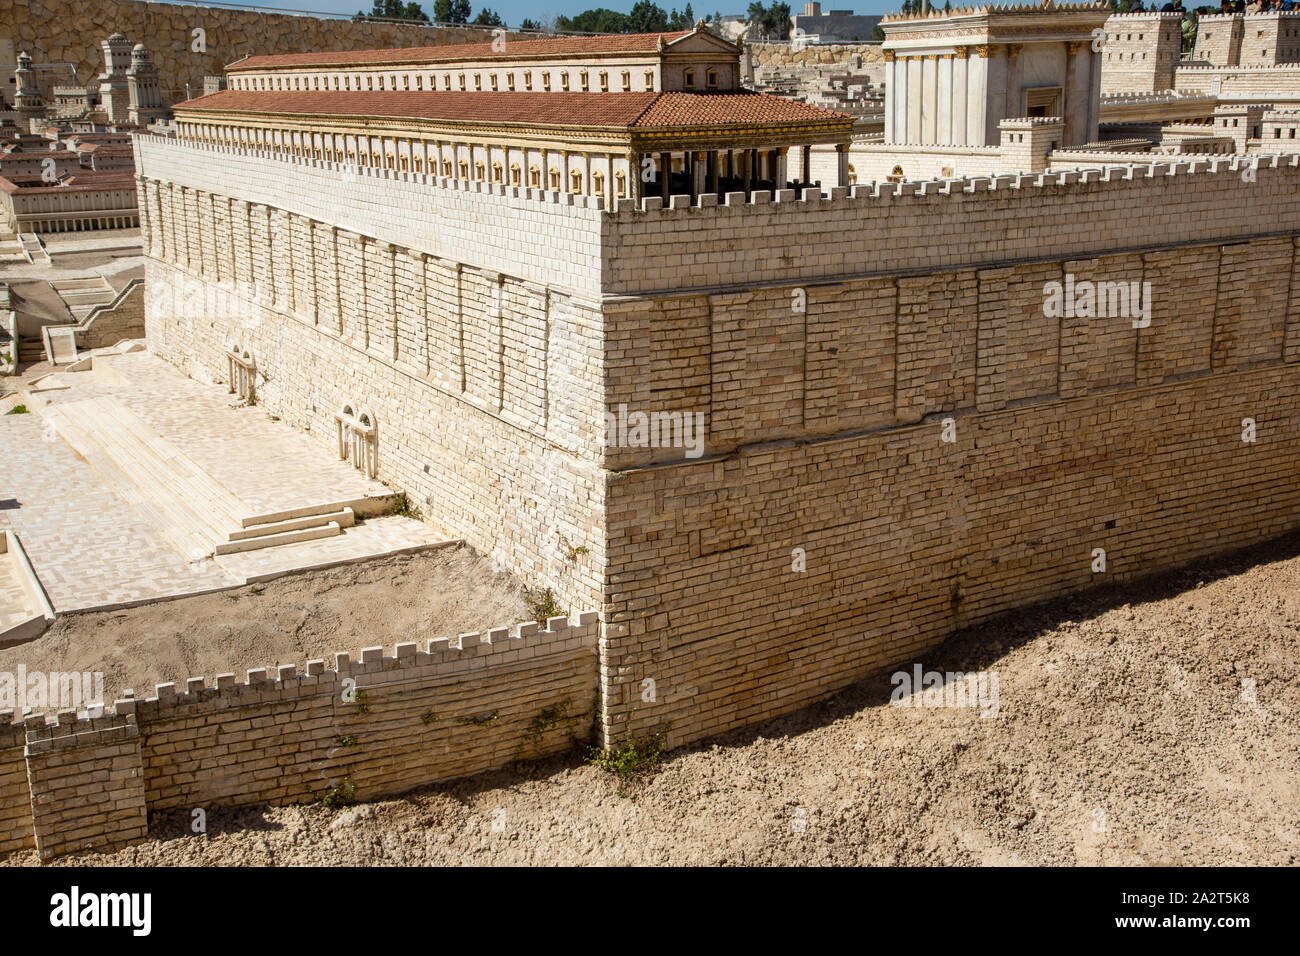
(512, 11)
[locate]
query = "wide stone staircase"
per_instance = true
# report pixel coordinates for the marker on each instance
(196, 514)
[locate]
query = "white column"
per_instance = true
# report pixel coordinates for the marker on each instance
(914, 97)
(977, 104)
(960, 98)
(945, 100)
(891, 95)
(929, 98)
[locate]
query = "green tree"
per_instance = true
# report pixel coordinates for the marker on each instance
(773, 21)
(528, 24)
(487, 17)
(393, 10)
(647, 17)
(451, 11)
(599, 20)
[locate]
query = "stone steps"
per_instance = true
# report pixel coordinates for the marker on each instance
(25, 610)
(196, 514)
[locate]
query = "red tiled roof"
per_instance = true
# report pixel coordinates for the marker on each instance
(108, 179)
(618, 110)
(451, 52)
(721, 109)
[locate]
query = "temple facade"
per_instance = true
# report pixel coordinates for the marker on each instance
(953, 77)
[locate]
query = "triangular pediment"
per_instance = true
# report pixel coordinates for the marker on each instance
(700, 41)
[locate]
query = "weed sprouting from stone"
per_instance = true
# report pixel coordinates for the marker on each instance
(340, 795)
(541, 604)
(631, 756)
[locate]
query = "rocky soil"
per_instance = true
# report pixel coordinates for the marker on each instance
(1152, 727)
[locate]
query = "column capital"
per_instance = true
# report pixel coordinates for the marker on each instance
(889, 56)
(983, 50)
(1013, 49)
(961, 52)
(1072, 47)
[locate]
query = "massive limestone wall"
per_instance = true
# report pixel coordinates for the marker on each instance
(791, 56)
(831, 347)
(67, 31)
(830, 528)
(466, 322)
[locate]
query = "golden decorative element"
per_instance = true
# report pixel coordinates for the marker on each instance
(961, 52)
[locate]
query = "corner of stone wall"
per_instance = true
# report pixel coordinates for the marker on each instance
(15, 795)
(86, 780)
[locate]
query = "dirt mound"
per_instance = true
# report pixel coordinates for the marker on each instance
(286, 621)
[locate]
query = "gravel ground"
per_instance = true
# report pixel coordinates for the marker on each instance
(1124, 736)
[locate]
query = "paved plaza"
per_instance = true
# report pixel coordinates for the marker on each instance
(101, 532)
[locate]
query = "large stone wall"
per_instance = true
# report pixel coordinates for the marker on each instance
(824, 424)
(822, 341)
(464, 320)
(1071, 435)
(66, 31)
(795, 56)
(364, 729)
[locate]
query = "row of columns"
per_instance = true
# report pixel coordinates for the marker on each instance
(433, 157)
(944, 98)
(707, 169)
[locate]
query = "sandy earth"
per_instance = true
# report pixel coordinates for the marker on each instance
(1122, 737)
(286, 621)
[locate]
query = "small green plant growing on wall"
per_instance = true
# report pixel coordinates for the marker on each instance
(339, 795)
(428, 717)
(549, 718)
(569, 551)
(345, 740)
(403, 508)
(541, 604)
(363, 703)
(631, 756)
(17, 410)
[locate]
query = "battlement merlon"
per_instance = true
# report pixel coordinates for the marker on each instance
(1149, 15)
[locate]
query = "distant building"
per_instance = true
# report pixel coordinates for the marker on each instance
(834, 26)
(88, 200)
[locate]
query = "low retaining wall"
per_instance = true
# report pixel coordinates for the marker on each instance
(369, 728)
(108, 324)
